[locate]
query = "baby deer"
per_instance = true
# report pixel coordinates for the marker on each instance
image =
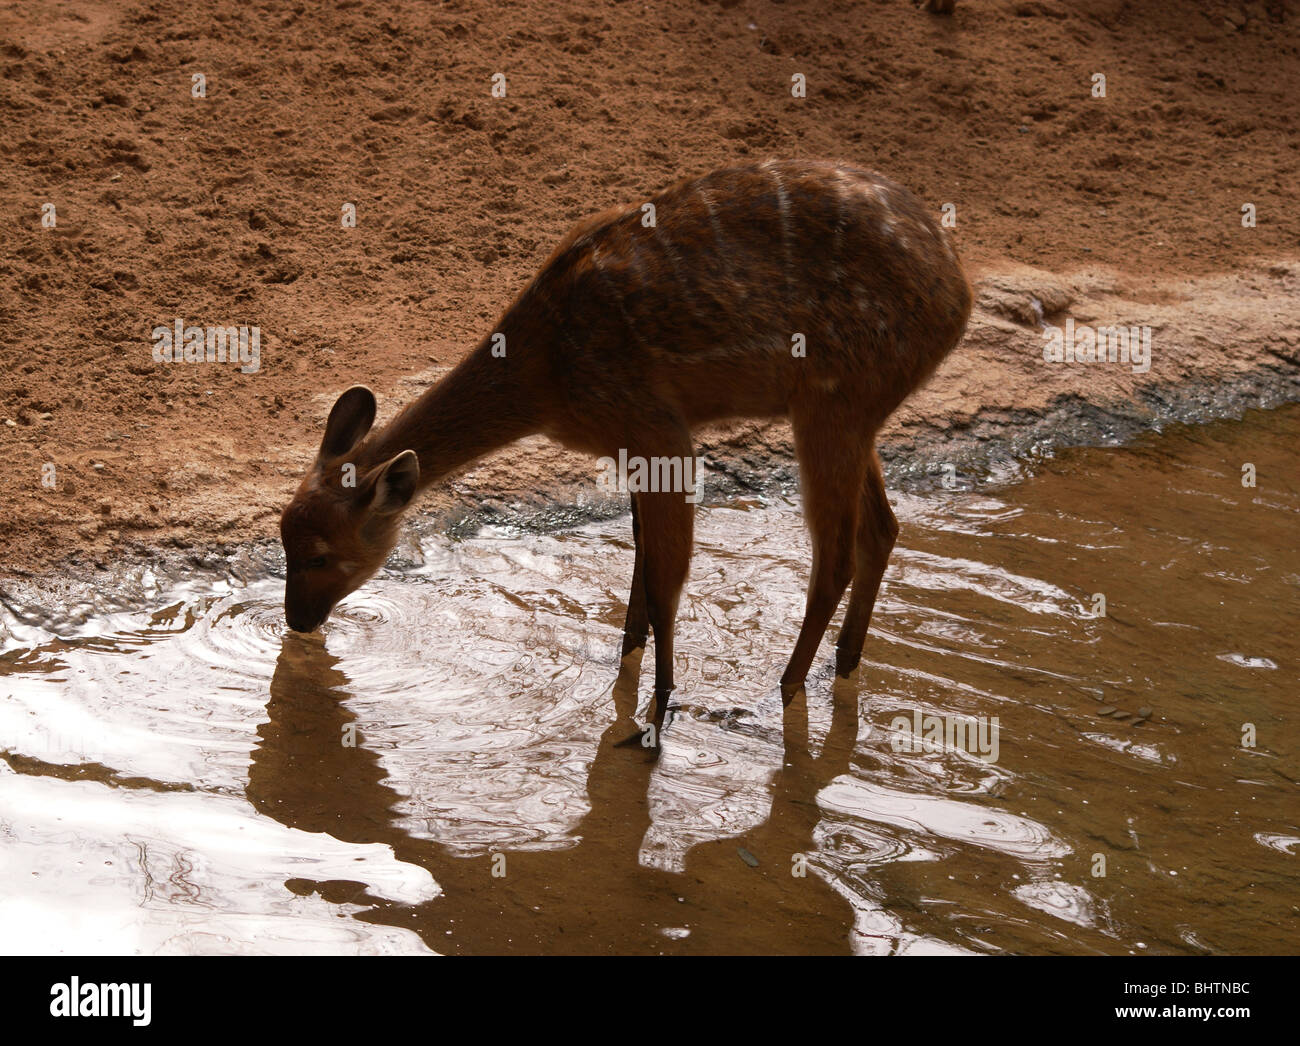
(810, 290)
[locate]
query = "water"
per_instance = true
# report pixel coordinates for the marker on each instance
(440, 771)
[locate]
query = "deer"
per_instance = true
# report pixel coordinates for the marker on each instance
(808, 290)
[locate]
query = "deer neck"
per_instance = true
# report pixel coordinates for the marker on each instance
(485, 403)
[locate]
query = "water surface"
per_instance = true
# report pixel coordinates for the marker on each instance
(438, 770)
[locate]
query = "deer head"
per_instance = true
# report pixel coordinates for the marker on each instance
(342, 523)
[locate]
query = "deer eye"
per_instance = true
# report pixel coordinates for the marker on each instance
(315, 563)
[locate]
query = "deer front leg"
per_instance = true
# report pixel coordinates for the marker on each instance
(637, 628)
(667, 532)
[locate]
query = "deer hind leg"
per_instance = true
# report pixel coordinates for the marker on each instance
(831, 468)
(637, 627)
(877, 532)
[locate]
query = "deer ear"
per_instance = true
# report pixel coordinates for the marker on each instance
(394, 486)
(349, 421)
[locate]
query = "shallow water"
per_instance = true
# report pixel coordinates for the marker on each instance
(438, 771)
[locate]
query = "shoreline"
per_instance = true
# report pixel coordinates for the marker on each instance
(992, 449)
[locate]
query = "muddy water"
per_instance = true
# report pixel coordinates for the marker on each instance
(439, 771)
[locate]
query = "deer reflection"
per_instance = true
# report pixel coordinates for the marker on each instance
(592, 898)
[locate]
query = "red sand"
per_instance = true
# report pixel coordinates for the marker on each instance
(226, 210)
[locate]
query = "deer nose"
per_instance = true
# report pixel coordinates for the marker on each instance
(301, 622)
(305, 619)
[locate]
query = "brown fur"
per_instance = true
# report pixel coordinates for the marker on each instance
(629, 337)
